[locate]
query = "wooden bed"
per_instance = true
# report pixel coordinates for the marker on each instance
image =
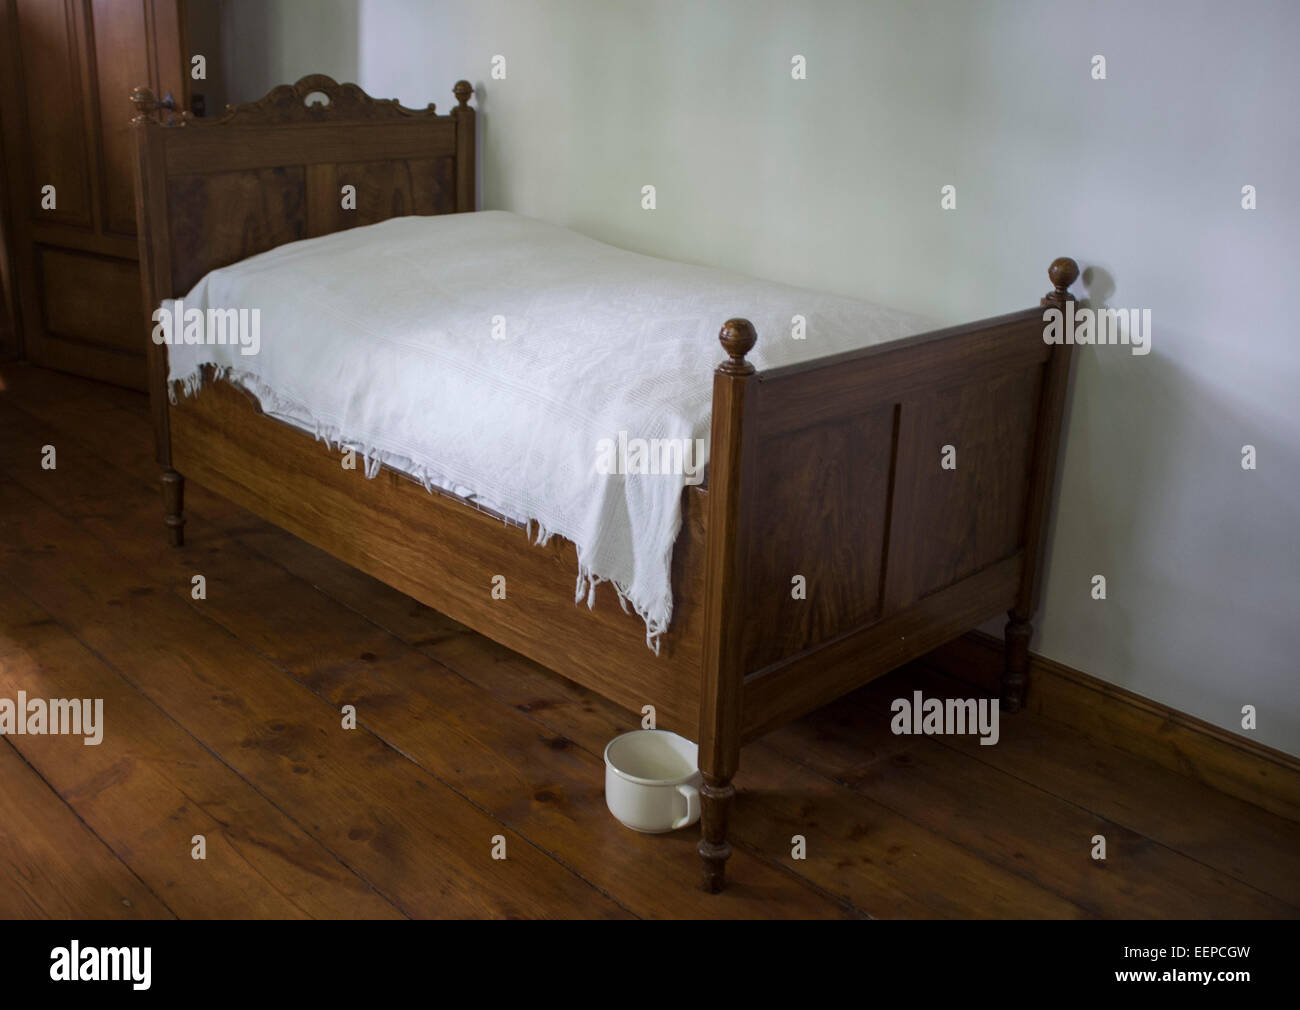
(828, 469)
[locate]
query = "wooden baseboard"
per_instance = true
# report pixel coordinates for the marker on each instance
(1250, 771)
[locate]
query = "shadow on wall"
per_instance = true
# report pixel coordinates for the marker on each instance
(1086, 508)
(1100, 285)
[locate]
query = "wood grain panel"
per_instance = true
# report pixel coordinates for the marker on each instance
(384, 189)
(220, 219)
(107, 364)
(93, 299)
(122, 61)
(973, 516)
(825, 496)
(824, 388)
(788, 690)
(69, 237)
(242, 148)
(56, 139)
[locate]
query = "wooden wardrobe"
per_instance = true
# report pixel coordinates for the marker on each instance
(67, 68)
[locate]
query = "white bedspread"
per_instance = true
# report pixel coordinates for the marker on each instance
(382, 339)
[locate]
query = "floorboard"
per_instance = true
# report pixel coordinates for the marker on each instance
(52, 866)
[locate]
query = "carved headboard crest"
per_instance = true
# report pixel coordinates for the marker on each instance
(316, 98)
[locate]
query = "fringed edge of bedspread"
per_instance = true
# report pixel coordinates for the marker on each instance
(374, 458)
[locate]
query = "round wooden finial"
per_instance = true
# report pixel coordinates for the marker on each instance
(462, 91)
(1062, 273)
(737, 337)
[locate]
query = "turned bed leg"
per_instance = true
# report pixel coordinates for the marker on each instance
(173, 486)
(1015, 674)
(722, 673)
(715, 808)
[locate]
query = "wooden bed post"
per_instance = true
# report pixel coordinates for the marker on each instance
(1015, 677)
(463, 113)
(155, 266)
(723, 670)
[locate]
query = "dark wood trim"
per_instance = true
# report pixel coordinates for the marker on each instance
(466, 147)
(51, 233)
(1229, 762)
(1042, 480)
(241, 148)
(16, 224)
(109, 364)
(11, 329)
(902, 369)
(173, 485)
(892, 348)
(897, 588)
(155, 270)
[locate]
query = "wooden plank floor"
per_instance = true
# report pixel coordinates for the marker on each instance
(222, 719)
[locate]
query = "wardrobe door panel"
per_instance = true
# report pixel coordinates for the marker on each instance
(55, 143)
(68, 68)
(121, 63)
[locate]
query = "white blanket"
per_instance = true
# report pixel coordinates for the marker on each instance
(490, 354)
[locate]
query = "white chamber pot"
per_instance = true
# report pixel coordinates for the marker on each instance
(652, 782)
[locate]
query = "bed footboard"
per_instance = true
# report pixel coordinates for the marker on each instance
(864, 509)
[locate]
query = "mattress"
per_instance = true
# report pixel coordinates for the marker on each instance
(555, 380)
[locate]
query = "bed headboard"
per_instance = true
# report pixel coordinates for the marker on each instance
(210, 192)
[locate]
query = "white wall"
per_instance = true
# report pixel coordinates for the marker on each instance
(833, 182)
